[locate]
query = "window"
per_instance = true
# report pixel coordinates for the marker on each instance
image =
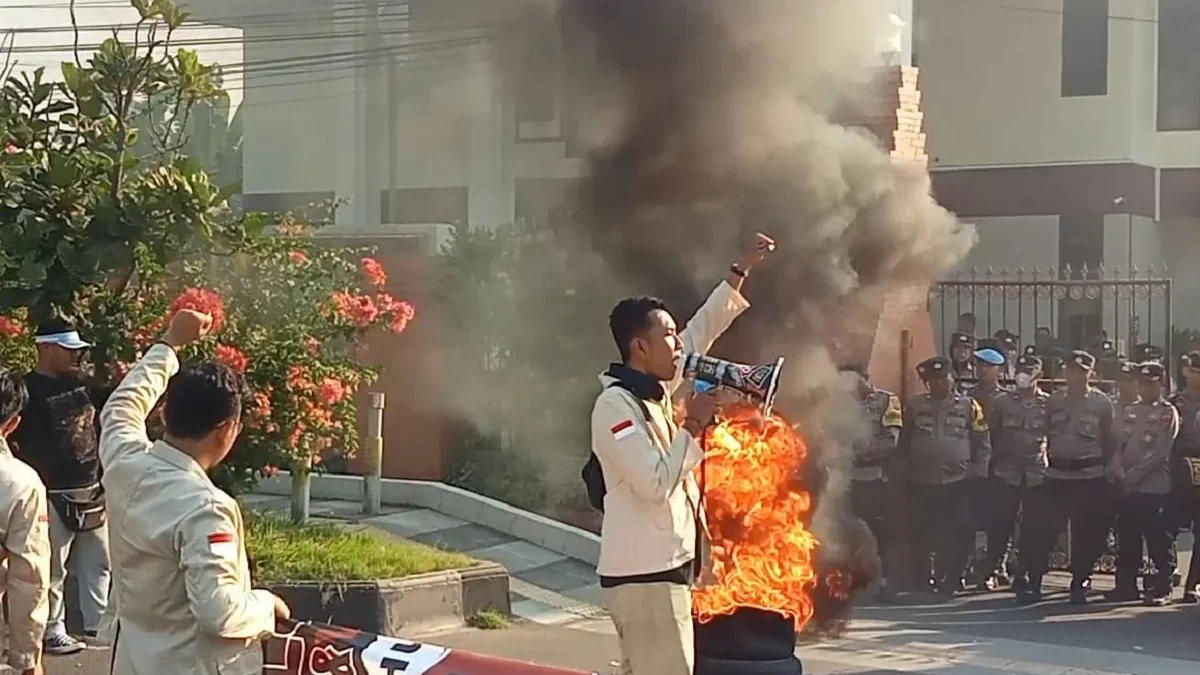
(1085, 48)
(1178, 65)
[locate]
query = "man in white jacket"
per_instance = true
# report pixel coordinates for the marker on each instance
(182, 580)
(651, 531)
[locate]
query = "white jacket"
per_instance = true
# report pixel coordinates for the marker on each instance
(24, 558)
(652, 496)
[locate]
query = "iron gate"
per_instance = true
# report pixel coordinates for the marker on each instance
(1081, 308)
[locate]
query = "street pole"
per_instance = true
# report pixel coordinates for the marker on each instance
(373, 474)
(378, 139)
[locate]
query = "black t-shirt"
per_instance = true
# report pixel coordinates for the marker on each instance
(59, 433)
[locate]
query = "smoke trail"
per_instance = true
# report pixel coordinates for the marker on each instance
(708, 119)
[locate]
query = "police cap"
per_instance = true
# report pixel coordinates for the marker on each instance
(1082, 359)
(962, 339)
(1152, 370)
(1149, 352)
(1030, 350)
(1029, 362)
(990, 343)
(1129, 368)
(937, 366)
(1191, 360)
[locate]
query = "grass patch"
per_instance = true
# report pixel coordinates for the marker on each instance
(284, 551)
(488, 619)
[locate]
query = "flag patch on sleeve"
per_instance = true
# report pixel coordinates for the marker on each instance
(622, 430)
(222, 545)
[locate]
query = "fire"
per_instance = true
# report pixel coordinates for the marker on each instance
(763, 553)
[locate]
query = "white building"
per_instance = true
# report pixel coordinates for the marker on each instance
(1068, 131)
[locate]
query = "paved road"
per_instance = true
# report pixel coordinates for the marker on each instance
(980, 635)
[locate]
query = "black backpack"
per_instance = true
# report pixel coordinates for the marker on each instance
(592, 474)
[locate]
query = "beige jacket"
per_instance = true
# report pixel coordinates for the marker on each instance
(181, 579)
(25, 559)
(652, 497)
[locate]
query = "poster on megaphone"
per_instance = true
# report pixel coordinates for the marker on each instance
(307, 648)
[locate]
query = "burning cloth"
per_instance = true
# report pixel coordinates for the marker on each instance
(306, 648)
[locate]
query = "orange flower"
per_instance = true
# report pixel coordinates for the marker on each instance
(298, 257)
(10, 327)
(233, 357)
(331, 391)
(270, 470)
(401, 312)
(298, 379)
(373, 272)
(202, 300)
(359, 310)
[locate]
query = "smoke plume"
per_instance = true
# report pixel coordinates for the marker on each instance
(709, 119)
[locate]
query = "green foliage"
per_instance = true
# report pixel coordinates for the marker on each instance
(488, 619)
(106, 220)
(285, 551)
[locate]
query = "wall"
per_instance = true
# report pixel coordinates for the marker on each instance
(990, 72)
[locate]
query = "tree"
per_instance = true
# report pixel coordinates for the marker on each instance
(77, 206)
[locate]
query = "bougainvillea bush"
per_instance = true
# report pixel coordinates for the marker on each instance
(289, 314)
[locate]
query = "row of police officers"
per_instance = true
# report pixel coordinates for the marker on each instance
(1021, 462)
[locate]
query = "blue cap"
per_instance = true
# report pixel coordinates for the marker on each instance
(990, 356)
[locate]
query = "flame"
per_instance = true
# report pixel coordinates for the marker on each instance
(763, 553)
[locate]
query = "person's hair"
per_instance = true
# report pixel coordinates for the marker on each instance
(54, 325)
(201, 397)
(13, 395)
(630, 318)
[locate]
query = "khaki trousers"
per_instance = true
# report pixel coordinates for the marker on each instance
(654, 627)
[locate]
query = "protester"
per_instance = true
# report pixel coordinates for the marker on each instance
(25, 558)
(652, 538)
(1142, 468)
(182, 589)
(58, 438)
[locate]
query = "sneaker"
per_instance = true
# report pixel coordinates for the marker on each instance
(61, 644)
(1162, 600)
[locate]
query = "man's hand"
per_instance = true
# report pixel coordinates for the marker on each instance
(282, 611)
(701, 410)
(187, 326)
(761, 247)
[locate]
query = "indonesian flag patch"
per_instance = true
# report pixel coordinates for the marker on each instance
(222, 545)
(622, 430)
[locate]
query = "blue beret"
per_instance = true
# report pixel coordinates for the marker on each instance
(990, 356)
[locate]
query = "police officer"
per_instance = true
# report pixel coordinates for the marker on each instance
(24, 539)
(869, 493)
(1127, 388)
(989, 363)
(1185, 465)
(962, 346)
(1148, 352)
(182, 578)
(944, 446)
(1080, 441)
(1142, 468)
(1018, 423)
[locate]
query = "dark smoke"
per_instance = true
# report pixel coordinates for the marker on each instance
(708, 120)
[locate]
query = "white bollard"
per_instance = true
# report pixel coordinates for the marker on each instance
(373, 454)
(302, 491)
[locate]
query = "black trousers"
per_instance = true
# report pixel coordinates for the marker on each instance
(871, 500)
(1145, 519)
(1002, 503)
(944, 532)
(1190, 518)
(1087, 504)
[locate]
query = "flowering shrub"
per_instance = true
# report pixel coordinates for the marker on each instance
(289, 314)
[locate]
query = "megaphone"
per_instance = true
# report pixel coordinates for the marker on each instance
(760, 383)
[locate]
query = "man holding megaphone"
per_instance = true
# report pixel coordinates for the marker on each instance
(641, 472)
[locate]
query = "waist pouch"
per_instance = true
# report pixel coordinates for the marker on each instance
(81, 509)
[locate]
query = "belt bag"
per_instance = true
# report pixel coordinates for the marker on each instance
(81, 509)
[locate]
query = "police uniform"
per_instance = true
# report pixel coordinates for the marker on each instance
(1185, 469)
(181, 578)
(1126, 393)
(24, 559)
(943, 443)
(1018, 423)
(1080, 438)
(1147, 430)
(869, 490)
(964, 371)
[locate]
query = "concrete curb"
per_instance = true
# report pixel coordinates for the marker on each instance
(463, 504)
(394, 606)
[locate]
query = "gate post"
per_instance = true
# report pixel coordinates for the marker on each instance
(373, 475)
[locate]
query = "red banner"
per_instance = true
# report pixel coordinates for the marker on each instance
(306, 648)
